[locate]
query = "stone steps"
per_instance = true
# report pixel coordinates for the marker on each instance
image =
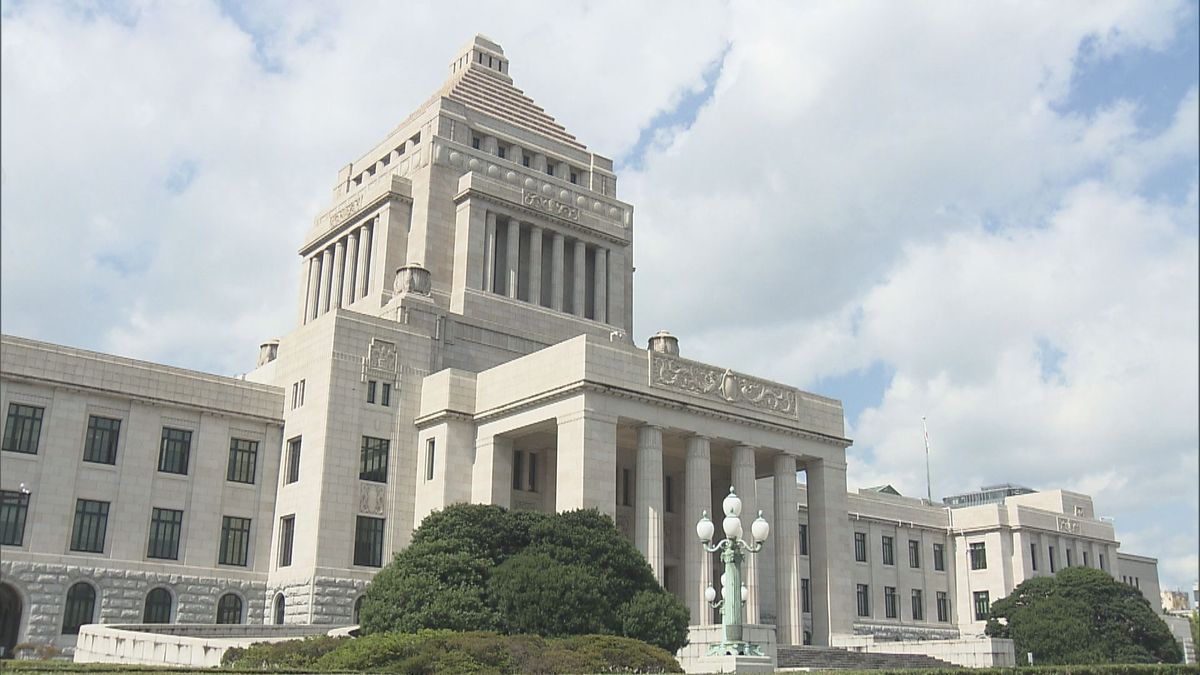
(833, 658)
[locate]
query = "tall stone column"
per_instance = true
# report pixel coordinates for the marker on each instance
(339, 264)
(364, 261)
(697, 498)
(829, 551)
(491, 476)
(326, 279)
(786, 531)
(586, 462)
(648, 516)
(512, 262)
(351, 267)
(600, 296)
(314, 288)
(577, 302)
(489, 254)
(557, 270)
(535, 264)
(742, 475)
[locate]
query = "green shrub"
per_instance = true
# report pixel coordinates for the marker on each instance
(656, 617)
(289, 654)
(533, 593)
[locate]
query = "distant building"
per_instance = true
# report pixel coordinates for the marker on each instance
(1175, 601)
(990, 494)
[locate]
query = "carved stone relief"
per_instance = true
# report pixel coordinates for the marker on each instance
(1068, 525)
(345, 210)
(672, 372)
(550, 205)
(372, 498)
(381, 361)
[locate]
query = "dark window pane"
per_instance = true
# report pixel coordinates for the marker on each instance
(229, 609)
(287, 528)
(803, 539)
(374, 460)
(235, 541)
(175, 451)
(91, 524)
(14, 510)
(243, 459)
(101, 442)
(23, 428)
(81, 606)
(279, 609)
(165, 526)
(293, 461)
(158, 606)
(368, 542)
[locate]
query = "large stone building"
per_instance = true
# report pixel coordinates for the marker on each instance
(462, 334)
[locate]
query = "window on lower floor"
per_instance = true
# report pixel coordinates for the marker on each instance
(889, 553)
(983, 605)
(100, 444)
(373, 464)
(165, 527)
(1069, 561)
(80, 608)
(368, 542)
(1086, 562)
(385, 394)
(91, 524)
(918, 605)
(1053, 564)
(229, 608)
(235, 541)
(939, 557)
(280, 609)
(1101, 561)
(805, 596)
(518, 469)
(158, 606)
(357, 609)
(978, 554)
(287, 529)
(1033, 555)
(371, 391)
(14, 511)
(293, 461)
(243, 460)
(175, 450)
(803, 538)
(943, 607)
(890, 603)
(914, 553)
(430, 450)
(860, 546)
(626, 488)
(864, 600)
(23, 428)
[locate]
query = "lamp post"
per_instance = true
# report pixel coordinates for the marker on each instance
(733, 550)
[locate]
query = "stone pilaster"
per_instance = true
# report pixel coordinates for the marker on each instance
(535, 264)
(351, 267)
(314, 288)
(326, 280)
(578, 300)
(339, 264)
(648, 516)
(512, 260)
(364, 261)
(697, 498)
(785, 530)
(828, 551)
(587, 462)
(557, 271)
(489, 254)
(491, 475)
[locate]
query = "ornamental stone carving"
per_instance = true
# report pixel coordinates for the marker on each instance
(549, 205)
(381, 361)
(1068, 525)
(668, 371)
(372, 498)
(347, 209)
(412, 278)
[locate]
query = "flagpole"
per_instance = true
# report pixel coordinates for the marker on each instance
(928, 486)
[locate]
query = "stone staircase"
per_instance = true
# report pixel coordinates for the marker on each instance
(833, 658)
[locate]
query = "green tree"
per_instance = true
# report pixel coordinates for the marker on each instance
(476, 567)
(1082, 615)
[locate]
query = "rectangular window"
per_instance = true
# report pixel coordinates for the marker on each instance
(918, 605)
(100, 446)
(293, 461)
(1053, 565)
(533, 470)
(860, 546)
(374, 460)
(982, 605)
(174, 452)
(14, 509)
(805, 597)
(165, 525)
(23, 428)
(430, 448)
(943, 607)
(524, 160)
(1069, 562)
(502, 152)
(1101, 561)
(243, 459)
(475, 142)
(1033, 555)
(625, 488)
(1086, 563)
(574, 177)
(91, 523)
(939, 557)
(889, 602)
(914, 553)
(978, 555)
(368, 542)
(549, 169)
(287, 529)
(370, 391)
(864, 600)
(803, 538)
(385, 395)
(889, 556)
(667, 494)
(235, 541)
(518, 468)
(295, 394)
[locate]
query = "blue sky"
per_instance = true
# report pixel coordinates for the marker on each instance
(983, 214)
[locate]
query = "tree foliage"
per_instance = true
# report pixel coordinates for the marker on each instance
(1082, 615)
(479, 567)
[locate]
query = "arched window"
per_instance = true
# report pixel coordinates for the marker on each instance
(158, 606)
(81, 607)
(358, 607)
(229, 609)
(279, 607)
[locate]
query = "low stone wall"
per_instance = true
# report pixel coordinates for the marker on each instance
(194, 646)
(981, 652)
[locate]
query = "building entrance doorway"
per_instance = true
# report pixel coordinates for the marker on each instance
(10, 620)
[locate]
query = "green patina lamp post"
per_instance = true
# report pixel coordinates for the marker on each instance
(733, 551)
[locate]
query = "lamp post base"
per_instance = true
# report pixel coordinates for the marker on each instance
(735, 649)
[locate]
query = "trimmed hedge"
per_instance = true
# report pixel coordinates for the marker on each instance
(443, 651)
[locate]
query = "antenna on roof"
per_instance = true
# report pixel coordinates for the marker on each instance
(928, 486)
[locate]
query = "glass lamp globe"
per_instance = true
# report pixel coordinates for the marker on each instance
(710, 594)
(745, 593)
(760, 528)
(732, 504)
(705, 528)
(732, 527)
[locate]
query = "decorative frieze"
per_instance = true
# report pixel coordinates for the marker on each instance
(345, 210)
(549, 205)
(1068, 525)
(672, 372)
(372, 498)
(381, 361)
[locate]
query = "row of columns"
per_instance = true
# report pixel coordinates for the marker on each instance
(512, 278)
(340, 273)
